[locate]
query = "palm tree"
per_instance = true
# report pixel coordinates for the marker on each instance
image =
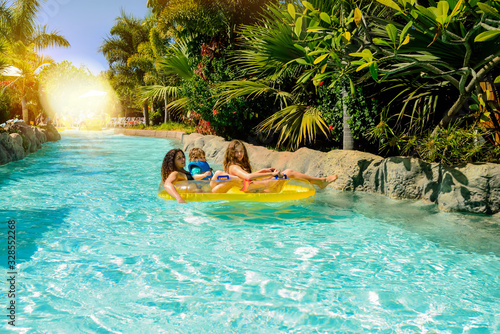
(171, 68)
(127, 34)
(276, 54)
(18, 28)
(202, 21)
(29, 63)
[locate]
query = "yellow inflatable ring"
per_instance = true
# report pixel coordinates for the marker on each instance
(259, 191)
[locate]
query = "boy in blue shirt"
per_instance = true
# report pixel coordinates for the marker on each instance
(198, 166)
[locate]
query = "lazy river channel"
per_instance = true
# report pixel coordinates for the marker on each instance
(98, 252)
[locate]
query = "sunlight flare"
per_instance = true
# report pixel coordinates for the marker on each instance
(83, 102)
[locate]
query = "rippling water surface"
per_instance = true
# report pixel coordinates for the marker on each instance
(99, 252)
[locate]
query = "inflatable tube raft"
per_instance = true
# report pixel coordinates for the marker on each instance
(259, 191)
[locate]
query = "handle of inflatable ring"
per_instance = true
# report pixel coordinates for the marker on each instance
(222, 177)
(284, 177)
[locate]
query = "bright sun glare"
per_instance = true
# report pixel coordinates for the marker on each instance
(79, 102)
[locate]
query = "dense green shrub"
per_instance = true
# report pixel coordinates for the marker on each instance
(453, 146)
(362, 109)
(5, 103)
(235, 119)
(155, 116)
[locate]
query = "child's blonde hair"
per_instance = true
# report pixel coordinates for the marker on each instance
(196, 154)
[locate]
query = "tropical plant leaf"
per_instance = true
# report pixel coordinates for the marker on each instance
(487, 9)
(443, 7)
(316, 29)
(377, 40)
(405, 31)
(291, 10)
(302, 61)
(374, 70)
(347, 35)
(487, 35)
(363, 66)
(308, 5)
(298, 26)
(317, 52)
(392, 32)
(178, 105)
(456, 9)
(300, 47)
(157, 92)
(325, 17)
(391, 4)
(357, 17)
(366, 54)
(323, 68)
(406, 41)
(296, 124)
(320, 58)
(248, 89)
(431, 14)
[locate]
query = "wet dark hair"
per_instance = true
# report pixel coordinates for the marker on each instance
(168, 165)
(230, 157)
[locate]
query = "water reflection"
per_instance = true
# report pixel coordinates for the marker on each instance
(471, 233)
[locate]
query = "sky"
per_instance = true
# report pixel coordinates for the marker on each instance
(85, 23)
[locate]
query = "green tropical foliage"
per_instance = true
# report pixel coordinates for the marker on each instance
(234, 119)
(446, 48)
(19, 28)
(290, 54)
(204, 22)
(128, 56)
(386, 75)
(29, 64)
(267, 53)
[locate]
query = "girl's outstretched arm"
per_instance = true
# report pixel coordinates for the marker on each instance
(239, 172)
(266, 170)
(170, 188)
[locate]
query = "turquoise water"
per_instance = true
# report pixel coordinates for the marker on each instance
(99, 252)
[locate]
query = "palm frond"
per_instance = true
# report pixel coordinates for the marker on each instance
(178, 105)
(23, 24)
(157, 92)
(249, 89)
(176, 63)
(296, 124)
(43, 39)
(6, 19)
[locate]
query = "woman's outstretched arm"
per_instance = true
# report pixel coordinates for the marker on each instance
(170, 188)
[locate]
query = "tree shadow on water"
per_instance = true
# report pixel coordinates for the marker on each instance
(30, 226)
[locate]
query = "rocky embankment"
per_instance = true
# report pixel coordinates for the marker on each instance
(471, 188)
(17, 140)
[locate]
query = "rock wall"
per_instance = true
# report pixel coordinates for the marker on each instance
(473, 188)
(18, 140)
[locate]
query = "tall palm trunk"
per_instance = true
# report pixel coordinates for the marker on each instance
(167, 116)
(145, 112)
(348, 142)
(24, 106)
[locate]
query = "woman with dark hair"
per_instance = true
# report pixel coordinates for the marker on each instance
(236, 163)
(172, 170)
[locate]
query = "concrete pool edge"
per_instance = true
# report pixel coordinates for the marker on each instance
(471, 188)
